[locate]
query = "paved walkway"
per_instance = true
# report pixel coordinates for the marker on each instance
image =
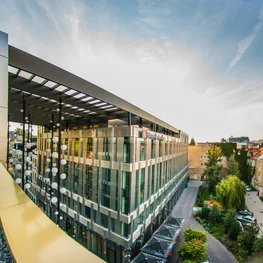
(255, 205)
(184, 207)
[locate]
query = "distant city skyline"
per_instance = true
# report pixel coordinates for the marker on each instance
(197, 65)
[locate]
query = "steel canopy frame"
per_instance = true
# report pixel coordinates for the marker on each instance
(97, 104)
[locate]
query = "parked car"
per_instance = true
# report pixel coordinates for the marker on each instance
(248, 219)
(248, 188)
(245, 213)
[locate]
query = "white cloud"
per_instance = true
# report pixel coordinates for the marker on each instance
(161, 77)
(244, 44)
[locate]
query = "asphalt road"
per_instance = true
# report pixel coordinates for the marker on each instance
(184, 207)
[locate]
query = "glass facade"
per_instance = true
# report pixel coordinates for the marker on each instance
(105, 187)
(116, 173)
(125, 204)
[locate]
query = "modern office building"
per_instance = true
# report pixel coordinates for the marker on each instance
(107, 172)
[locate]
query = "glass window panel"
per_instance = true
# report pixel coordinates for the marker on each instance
(76, 147)
(126, 150)
(106, 107)
(61, 88)
(142, 150)
(104, 220)
(106, 149)
(89, 177)
(70, 92)
(142, 184)
(125, 206)
(89, 148)
(76, 174)
(87, 98)
(93, 101)
(137, 189)
(13, 70)
(105, 187)
(38, 79)
(115, 108)
(80, 95)
(25, 74)
(50, 84)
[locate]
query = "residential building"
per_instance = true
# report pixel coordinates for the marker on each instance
(256, 162)
(197, 159)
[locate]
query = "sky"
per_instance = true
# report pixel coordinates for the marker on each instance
(195, 64)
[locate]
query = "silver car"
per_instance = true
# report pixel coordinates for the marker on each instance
(249, 219)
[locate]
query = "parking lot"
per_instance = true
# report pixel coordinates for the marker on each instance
(255, 205)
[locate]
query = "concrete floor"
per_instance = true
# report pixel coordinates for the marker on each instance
(255, 205)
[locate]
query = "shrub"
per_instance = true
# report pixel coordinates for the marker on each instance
(246, 239)
(214, 215)
(234, 230)
(191, 234)
(229, 218)
(257, 245)
(193, 250)
(205, 213)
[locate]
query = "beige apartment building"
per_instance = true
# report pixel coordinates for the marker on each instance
(197, 160)
(256, 162)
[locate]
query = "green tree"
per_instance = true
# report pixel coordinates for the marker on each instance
(232, 166)
(194, 250)
(234, 230)
(229, 217)
(194, 246)
(214, 155)
(212, 175)
(192, 142)
(231, 193)
(191, 234)
(215, 215)
(247, 238)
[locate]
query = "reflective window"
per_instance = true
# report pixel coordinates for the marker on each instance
(136, 189)
(89, 148)
(81, 149)
(76, 174)
(142, 185)
(124, 229)
(66, 143)
(125, 206)
(152, 149)
(88, 187)
(160, 148)
(106, 149)
(105, 187)
(65, 181)
(142, 150)
(76, 147)
(126, 150)
(104, 220)
(149, 183)
(112, 224)
(153, 180)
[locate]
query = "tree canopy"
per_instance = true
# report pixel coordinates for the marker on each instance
(212, 175)
(232, 166)
(194, 247)
(214, 155)
(192, 142)
(231, 193)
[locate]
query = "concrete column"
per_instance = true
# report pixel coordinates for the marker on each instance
(4, 95)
